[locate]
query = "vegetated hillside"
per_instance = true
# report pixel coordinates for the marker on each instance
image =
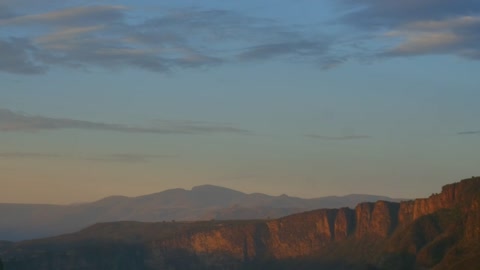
(28, 221)
(440, 232)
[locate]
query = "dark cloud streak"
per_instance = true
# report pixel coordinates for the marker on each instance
(17, 55)
(70, 17)
(292, 48)
(391, 13)
(15, 122)
(419, 27)
(22, 155)
(102, 36)
(476, 132)
(338, 138)
(128, 158)
(122, 157)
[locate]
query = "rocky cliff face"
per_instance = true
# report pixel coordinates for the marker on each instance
(314, 233)
(463, 196)
(418, 233)
(201, 203)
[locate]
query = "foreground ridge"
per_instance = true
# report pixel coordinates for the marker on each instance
(440, 232)
(200, 203)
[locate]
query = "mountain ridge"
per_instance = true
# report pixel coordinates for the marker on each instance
(203, 202)
(217, 187)
(440, 232)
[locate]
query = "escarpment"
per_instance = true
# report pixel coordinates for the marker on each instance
(314, 233)
(381, 235)
(344, 223)
(376, 219)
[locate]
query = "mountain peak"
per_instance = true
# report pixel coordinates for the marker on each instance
(198, 203)
(213, 188)
(115, 199)
(441, 232)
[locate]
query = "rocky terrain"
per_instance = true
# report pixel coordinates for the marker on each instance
(439, 232)
(28, 221)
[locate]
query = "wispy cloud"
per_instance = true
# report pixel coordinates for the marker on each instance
(128, 158)
(119, 157)
(71, 16)
(391, 13)
(103, 36)
(291, 48)
(18, 56)
(22, 155)
(458, 35)
(13, 122)
(338, 138)
(115, 36)
(420, 27)
(474, 132)
(192, 127)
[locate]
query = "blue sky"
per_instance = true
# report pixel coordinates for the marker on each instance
(307, 98)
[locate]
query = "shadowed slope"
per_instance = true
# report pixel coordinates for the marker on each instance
(440, 232)
(27, 221)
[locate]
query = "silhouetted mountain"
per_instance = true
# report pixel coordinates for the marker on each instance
(441, 232)
(28, 221)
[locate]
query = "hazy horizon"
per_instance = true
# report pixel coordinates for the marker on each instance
(191, 188)
(305, 98)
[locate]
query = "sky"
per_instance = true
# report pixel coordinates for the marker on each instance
(301, 97)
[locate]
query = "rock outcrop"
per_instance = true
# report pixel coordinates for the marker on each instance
(201, 203)
(386, 235)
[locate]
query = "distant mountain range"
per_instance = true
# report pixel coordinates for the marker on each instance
(441, 232)
(207, 202)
